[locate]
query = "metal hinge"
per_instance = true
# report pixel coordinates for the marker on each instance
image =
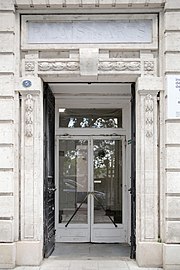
(125, 143)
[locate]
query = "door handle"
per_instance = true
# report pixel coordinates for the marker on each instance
(90, 193)
(52, 189)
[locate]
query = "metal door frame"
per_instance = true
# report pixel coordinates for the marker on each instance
(90, 222)
(49, 171)
(133, 173)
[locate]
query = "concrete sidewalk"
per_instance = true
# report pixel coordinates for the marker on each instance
(55, 264)
(88, 256)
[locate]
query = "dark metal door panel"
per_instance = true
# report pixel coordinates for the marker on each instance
(133, 174)
(49, 179)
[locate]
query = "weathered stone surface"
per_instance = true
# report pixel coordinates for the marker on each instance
(172, 41)
(172, 62)
(7, 206)
(170, 255)
(173, 232)
(29, 253)
(173, 157)
(149, 254)
(89, 61)
(171, 19)
(7, 63)
(172, 133)
(6, 42)
(7, 153)
(7, 22)
(7, 132)
(173, 207)
(6, 85)
(7, 255)
(6, 181)
(6, 229)
(7, 5)
(7, 109)
(173, 182)
(172, 4)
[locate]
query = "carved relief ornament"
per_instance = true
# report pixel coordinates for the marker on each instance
(149, 68)
(149, 108)
(58, 66)
(29, 116)
(29, 66)
(119, 66)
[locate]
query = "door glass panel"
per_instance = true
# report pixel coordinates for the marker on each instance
(73, 181)
(107, 181)
(90, 118)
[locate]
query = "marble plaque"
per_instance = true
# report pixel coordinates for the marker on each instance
(173, 96)
(119, 31)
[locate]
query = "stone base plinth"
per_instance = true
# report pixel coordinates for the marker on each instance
(149, 254)
(29, 253)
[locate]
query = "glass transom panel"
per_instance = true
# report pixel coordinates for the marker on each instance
(90, 118)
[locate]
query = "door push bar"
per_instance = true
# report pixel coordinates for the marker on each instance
(77, 209)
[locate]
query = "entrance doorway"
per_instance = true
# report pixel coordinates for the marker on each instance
(91, 197)
(93, 164)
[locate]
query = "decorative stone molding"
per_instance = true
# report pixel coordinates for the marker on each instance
(119, 66)
(95, 63)
(58, 66)
(149, 68)
(29, 66)
(149, 106)
(29, 116)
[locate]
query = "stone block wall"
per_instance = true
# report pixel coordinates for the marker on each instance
(171, 228)
(8, 195)
(30, 231)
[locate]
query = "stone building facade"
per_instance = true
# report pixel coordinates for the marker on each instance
(148, 61)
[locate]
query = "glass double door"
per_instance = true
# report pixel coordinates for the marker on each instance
(90, 203)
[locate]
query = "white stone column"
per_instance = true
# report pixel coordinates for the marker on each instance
(149, 251)
(29, 248)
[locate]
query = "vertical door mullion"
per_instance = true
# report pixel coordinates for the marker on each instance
(89, 186)
(124, 184)
(92, 184)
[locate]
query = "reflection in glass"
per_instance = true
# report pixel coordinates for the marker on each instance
(92, 118)
(107, 181)
(73, 180)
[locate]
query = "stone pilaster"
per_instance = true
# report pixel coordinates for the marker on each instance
(147, 171)
(31, 182)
